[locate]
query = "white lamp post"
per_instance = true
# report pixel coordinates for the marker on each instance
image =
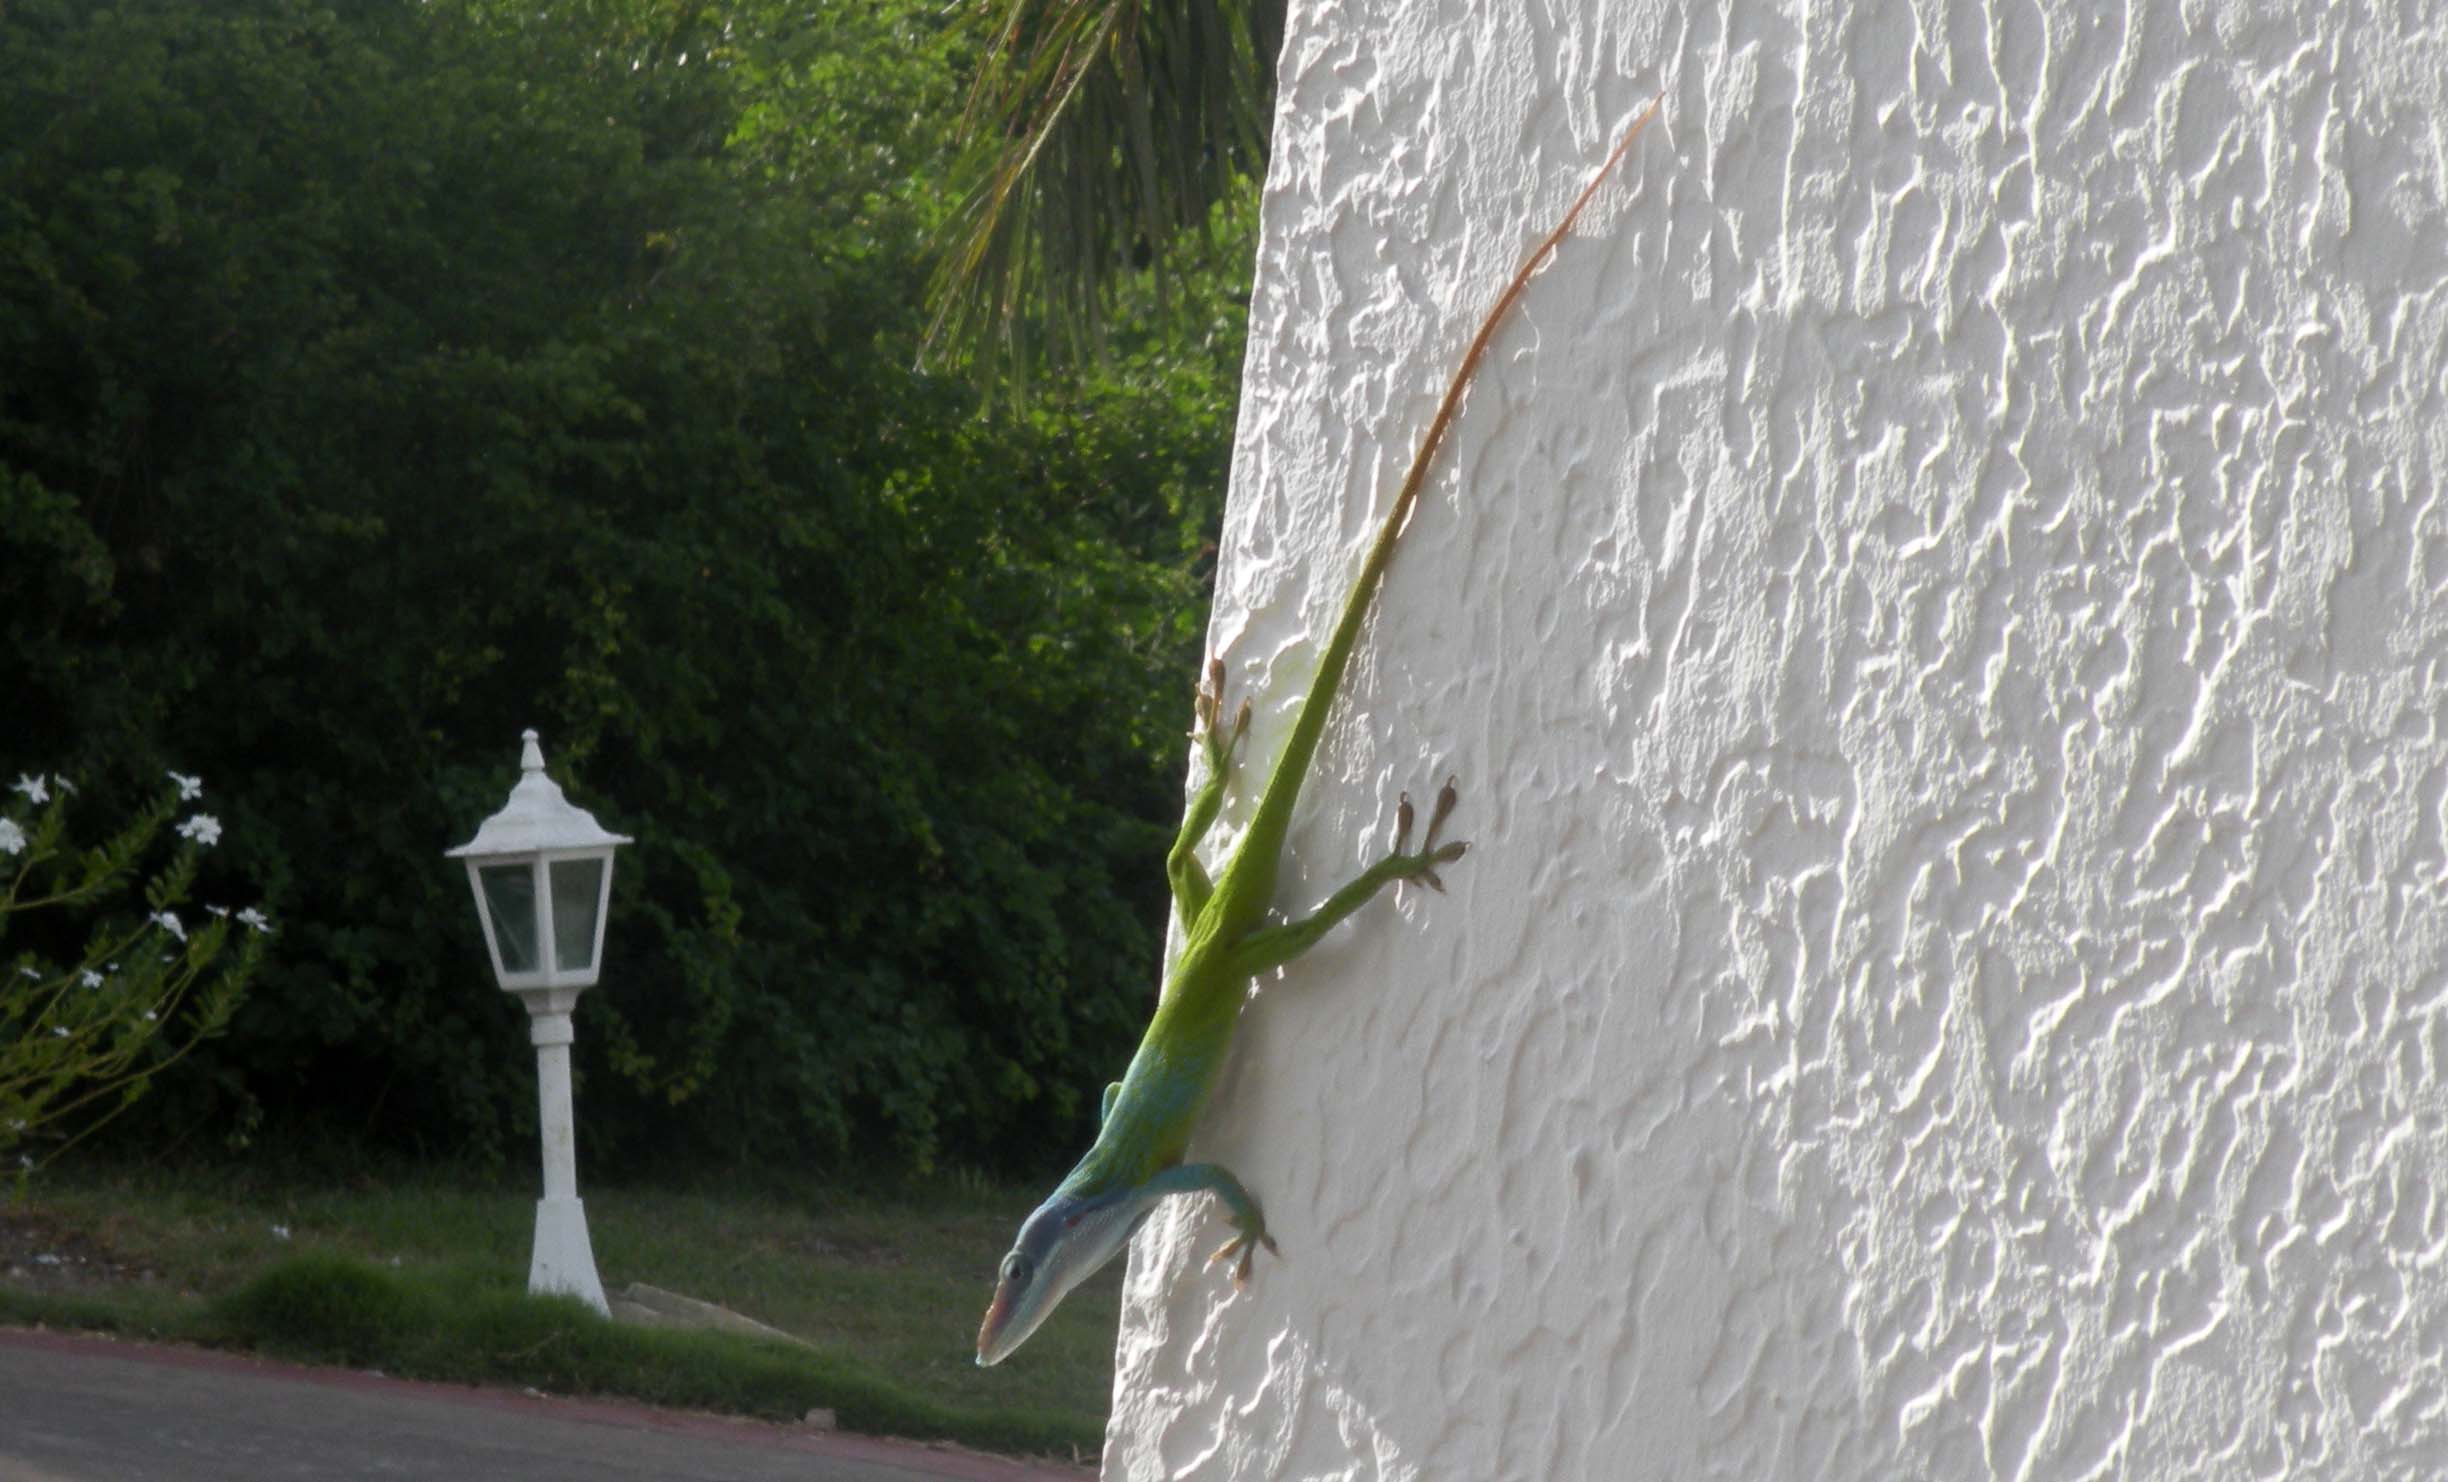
(541, 870)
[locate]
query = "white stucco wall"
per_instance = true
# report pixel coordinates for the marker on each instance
(1940, 609)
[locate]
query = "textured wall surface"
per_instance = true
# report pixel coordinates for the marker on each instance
(1940, 610)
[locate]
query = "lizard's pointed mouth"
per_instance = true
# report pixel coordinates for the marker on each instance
(990, 1345)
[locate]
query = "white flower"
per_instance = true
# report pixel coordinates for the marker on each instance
(35, 789)
(203, 828)
(254, 920)
(218, 910)
(280, 1232)
(60, 1030)
(27, 972)
(149, 1016)
(12, 838)
(169, 922)
(189, 787)
(90, 978)
(66, 788)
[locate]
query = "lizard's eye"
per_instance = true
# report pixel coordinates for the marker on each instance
(1016, 1268)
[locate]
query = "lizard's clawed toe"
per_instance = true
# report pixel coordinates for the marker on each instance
(1241, 1268)
(1447, 796)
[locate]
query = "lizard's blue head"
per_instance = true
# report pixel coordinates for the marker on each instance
(1060, 1245)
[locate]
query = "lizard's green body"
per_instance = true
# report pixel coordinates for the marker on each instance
(1226, 941)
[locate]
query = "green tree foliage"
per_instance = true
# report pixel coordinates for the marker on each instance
(1100, 138)
(376, 381)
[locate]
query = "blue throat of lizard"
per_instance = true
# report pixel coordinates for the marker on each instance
(1064, 1243)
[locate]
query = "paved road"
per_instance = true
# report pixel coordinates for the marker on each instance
(76, 1409)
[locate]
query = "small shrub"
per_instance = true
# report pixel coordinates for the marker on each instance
(92, 1033)
(330, 1308)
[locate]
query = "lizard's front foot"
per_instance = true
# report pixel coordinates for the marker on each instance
(1423, 865)
(1252, 1233)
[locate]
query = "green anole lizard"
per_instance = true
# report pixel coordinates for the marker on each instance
(1148, 1115)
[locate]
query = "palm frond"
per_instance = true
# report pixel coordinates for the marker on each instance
(1099, 134)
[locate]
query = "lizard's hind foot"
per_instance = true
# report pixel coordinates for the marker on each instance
(1210, 711)
(1423, 865)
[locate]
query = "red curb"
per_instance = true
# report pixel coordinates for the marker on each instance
(943, 1461)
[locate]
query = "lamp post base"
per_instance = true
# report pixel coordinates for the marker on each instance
(564, 1261)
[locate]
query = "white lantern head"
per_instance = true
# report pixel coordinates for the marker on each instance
(541, 870)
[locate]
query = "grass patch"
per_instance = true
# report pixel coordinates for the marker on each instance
(424, 1277)
(335, 1309)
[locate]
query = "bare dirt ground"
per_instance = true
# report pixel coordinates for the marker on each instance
(39, 1252)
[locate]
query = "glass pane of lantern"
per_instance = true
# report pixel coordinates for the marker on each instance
(577, 887)
(509, 892)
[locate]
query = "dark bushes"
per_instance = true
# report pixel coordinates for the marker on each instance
(375, 382)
